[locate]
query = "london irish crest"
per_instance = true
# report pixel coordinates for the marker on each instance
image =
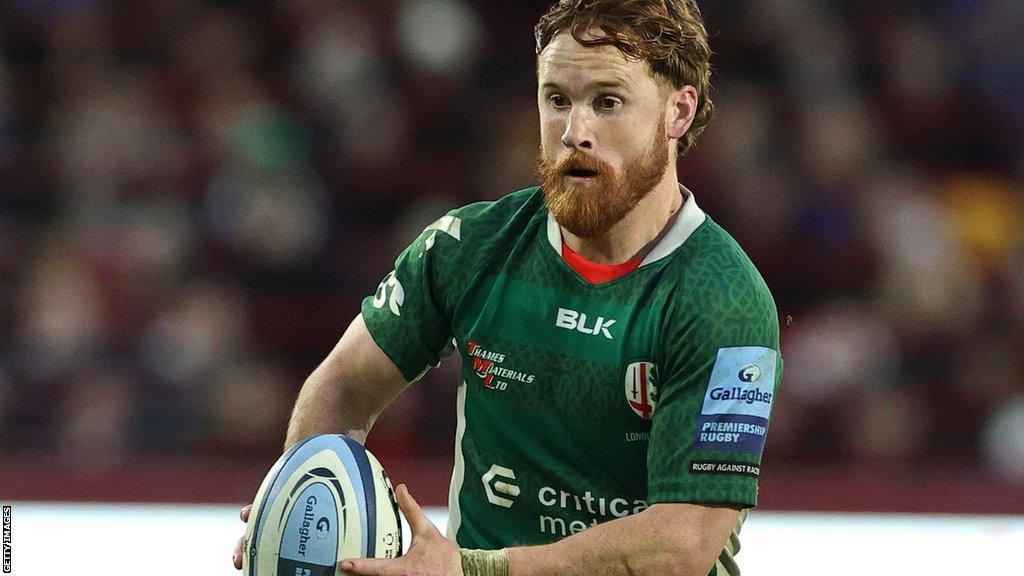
(642, 388)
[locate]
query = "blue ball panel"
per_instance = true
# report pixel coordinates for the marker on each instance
(311, 531)
(366, 474)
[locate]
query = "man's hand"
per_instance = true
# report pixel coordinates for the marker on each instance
(431, 553)
(237, 556)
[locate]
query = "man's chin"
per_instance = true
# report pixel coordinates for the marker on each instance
(582, 227)
(580, 209)
(584, 233)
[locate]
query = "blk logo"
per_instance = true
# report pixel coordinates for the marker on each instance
(573, 320)
(500, 492)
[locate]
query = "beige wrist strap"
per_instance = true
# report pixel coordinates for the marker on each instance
(484, 562)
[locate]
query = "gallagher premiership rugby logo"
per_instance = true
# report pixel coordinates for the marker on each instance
(738, 401)
(642, 388)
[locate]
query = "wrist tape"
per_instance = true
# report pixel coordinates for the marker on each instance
(484, 562)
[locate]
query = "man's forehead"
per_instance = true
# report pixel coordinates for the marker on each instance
(565, 60)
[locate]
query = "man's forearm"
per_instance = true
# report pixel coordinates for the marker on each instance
(321, 409)
(622, 547)
(651, 543)
(347, 390)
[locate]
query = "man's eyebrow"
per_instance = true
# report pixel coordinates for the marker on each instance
(621, 84)
(612, 84)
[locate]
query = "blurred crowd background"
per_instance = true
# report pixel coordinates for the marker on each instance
(196, 195)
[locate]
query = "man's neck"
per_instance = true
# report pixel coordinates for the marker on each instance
(638, 230)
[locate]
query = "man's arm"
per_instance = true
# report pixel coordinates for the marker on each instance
(665, 539)
(346, 393)
(348, 390)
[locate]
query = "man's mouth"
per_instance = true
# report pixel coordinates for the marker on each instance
(581, 173)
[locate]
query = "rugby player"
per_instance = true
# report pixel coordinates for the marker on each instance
(620, 352)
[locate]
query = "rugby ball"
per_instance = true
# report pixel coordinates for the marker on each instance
(326, 499)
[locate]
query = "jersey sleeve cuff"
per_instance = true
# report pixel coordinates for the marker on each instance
(411, 369)
(742, 497)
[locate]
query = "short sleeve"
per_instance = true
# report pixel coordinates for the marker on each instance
(408, 316)
(723, 368)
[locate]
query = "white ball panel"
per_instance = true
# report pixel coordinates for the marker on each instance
(291, 497)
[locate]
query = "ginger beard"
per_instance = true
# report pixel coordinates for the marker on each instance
(591, 209)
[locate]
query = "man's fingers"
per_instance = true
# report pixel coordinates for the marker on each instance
(372, 567)
(237, 556)
(418, 521)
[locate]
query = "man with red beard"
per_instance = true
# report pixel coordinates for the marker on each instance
(620, 353)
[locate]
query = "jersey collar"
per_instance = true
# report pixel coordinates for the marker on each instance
(686, 223)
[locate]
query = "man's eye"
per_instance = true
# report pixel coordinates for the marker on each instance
(559, 101)
(607, 103)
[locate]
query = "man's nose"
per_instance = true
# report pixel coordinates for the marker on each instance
(578, 130)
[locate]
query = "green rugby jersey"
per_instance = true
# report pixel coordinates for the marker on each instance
(582, 403)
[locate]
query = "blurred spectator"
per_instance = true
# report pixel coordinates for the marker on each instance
(247, 408)
(95, 418)
(1002, 438)
(438, 37)
(275, 222)
(5, 392)
(201, 333)
(6, 114)
(926, 273)
(60, 321)
(840, 352)
(196, 195)
(888, 426)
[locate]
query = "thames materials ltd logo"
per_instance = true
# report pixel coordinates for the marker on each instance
(500, 491)
(642, 388)
(487, 366)
(573, 320)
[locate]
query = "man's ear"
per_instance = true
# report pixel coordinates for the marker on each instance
(679, 110)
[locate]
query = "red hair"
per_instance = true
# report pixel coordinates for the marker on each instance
(667, 34)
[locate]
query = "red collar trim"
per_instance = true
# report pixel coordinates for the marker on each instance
(594, 272)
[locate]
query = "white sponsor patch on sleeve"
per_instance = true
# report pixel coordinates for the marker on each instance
(738, 401)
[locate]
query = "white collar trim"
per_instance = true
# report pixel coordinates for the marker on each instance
(689, 219)
(554, 234)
